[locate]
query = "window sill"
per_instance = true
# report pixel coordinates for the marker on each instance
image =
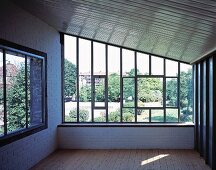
(19, 134)
(126, 125)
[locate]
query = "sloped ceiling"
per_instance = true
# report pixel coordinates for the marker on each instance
(180, 29)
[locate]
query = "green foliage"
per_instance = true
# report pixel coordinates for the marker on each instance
(114, 88)
(100, 92)
(16, 101)
(83, 115)
(150, 90)
(85, 94)
(100, 119)
(69, 78)
(128, 89)
(186, 93)
(128, 117)
(171, 92)
(114, 116)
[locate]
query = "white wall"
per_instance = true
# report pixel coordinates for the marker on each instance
(19, 26)
(126, 137)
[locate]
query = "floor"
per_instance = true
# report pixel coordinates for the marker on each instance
(123, 160)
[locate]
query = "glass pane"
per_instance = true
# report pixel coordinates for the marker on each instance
(99, 115)
(35, 97)
(1, 95)
(157, 65)
(142, 115)
(128, 114)
(171, 68)
(171, 115)
(85, 79)
(15, 84)
(142, 64)
(186, 93)
(113, 84)
(99, 92)
(150, 92)
(99, 59)
(171, 92)
(157, 115)
(128, 61)
(70, 79)
(128, 92)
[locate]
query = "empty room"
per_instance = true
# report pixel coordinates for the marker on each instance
(107, 85)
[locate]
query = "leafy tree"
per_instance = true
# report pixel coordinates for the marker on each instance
(16, 107)
(69, 78)
(114, 88)
(171, 92)
(85, 94)
(150, 90)
(186, 93)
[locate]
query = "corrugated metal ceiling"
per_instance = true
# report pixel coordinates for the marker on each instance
(182, 30)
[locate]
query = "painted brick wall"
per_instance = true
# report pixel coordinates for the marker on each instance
(126, 137)
(19, 26)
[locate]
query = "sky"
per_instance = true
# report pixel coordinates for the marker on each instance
(114, 59)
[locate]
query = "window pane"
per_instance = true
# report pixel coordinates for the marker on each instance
(85, 80)
(157, 115)
(142, 115)
(128, 114)
(128, 92)
(34, 73)
(171, 92)
(1, 95)
(186, 93)
(128, 61)
(99, 92)
(99, 115)
(171, 68)
(113, 84)
(70, 79)
(142, 64)
(15, 90)
(99, 59)
(171, 115)
(157, 65)
(150, 92)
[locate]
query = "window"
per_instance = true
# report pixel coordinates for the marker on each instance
(22, 91)
(117, 85)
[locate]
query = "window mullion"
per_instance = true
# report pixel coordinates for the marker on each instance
(178, 92)
(26, 91)
(121, 86)
(164, 90)
(135, 86)
(77, 74)
(5, 93)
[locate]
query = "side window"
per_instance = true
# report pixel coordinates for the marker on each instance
(22, 92)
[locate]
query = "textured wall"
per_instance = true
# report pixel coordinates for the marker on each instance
(126, 137)
(19, 26)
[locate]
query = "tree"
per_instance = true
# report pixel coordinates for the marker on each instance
(171, 92)
(16, 107)
(186, 92)
(150, 89)
(69, 78)
(114, 88)
(85, 94)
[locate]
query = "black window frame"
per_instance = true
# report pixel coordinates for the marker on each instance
(135, 77)
(7, 46)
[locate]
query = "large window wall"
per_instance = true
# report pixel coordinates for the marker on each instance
(105, 83)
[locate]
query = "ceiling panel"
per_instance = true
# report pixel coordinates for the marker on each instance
(182, 30)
